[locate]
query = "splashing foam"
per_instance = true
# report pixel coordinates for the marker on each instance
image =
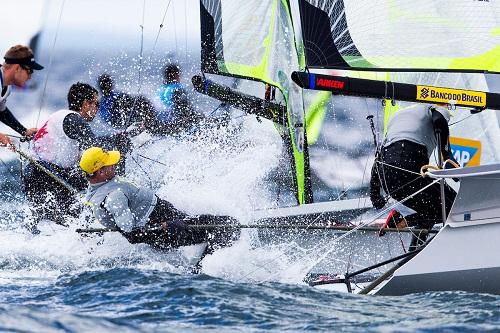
(215, 171)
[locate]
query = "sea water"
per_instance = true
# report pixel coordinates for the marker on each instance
(60, 280)
(155, 297)
(63, 281)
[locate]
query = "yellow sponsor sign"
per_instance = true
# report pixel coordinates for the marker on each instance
(467, 152)
(451, 96)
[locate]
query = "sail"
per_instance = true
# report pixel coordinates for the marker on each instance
(255, 39)
(399, 35)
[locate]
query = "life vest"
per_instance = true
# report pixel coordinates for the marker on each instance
(105, 107)
(4, 92)
(52, 145)
(166, 93)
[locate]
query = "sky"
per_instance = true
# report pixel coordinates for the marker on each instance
(98, 24)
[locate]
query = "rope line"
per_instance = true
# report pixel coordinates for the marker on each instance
(141, 53)
(327, 252)
(175, 31)
(395, 167)
(161, 25)
(49, 67)
(186, 31)
(322, 247)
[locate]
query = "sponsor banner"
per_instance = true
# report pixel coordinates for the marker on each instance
(451, 96)
(467, 152)
(327, 83)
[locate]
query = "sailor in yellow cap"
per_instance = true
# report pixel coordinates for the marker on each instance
(139, 215)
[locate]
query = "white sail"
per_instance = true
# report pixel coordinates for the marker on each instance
(457, 35)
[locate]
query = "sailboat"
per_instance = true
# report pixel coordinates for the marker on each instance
(394, 39)
(438, 265)
(271, 61)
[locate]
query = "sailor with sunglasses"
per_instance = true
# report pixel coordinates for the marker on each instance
(19, 64)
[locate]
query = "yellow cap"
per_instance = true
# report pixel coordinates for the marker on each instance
(95, 158)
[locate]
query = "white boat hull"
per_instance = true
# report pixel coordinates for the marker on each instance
(464, 255)
(464, 259)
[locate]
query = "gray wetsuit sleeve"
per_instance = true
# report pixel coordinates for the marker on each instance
(116, 204)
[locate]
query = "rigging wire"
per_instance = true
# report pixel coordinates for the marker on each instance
(459, 121)
(323, 246)
(51, 58)
(376, 143)
(141, 54)
(161, 26)
(359, 204)
(144, 171)
(186, 31)
(175, 30)
(326, 249)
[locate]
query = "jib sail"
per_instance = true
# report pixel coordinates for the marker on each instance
(254, 39)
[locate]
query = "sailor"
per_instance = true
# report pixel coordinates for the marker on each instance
(118, 111)
(139, 215)
(410, 140)
(57, 147)
(115, 108)
(19, 64)
(177, 114)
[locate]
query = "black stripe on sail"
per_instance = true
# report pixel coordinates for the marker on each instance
(318, 34)
(208, 47)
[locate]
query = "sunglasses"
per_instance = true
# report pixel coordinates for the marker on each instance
(27, 69)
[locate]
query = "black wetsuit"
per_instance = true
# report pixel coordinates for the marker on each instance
(399, 166)
(400, 184)
(181, 229)
(8, 119)
(6, 116)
